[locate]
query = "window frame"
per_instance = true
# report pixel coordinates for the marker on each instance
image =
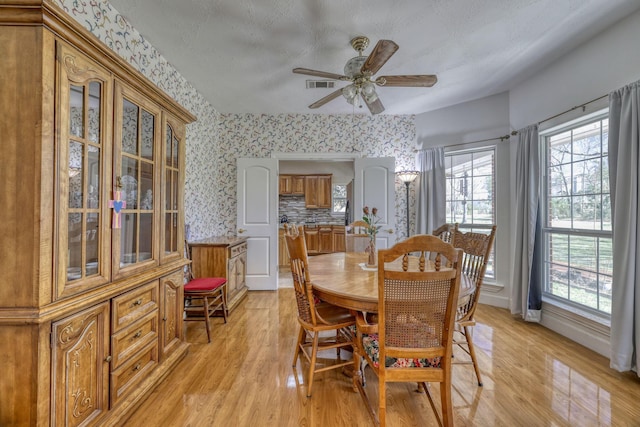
(491, 273)
(547, 229)
(333, 198)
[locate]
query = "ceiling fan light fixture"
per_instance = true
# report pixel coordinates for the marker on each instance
(353, 66)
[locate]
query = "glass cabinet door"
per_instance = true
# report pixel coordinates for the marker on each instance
(172, 233)
(137, 146)
(82, 245)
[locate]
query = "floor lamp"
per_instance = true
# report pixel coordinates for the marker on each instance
(407, 177)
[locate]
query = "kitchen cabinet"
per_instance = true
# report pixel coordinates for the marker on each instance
(92, 219)
(317, 191)
(311, 239)
(291, 185)
(325, 239)
(221, 256)
(338, 233)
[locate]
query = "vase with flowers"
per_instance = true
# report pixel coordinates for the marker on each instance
(372, 219)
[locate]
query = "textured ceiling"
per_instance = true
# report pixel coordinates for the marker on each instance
(239, 53)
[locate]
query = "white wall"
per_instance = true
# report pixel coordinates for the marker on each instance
(460, 125)
(603, 64)
(598, 67)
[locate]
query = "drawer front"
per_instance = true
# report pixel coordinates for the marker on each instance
(129, 375)
(129, 307)
(238, 249)
(131, 339)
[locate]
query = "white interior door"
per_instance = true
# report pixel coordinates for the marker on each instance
(257, 193)
(374, 186)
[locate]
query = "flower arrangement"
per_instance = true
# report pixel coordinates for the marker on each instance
(372, 219)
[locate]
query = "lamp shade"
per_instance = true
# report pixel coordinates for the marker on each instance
(407, 176)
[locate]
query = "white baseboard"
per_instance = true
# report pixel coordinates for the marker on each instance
(591, 334)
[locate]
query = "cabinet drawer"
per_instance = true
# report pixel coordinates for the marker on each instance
(132, 338)
(129, 375)
(129, 307)
(238, 249)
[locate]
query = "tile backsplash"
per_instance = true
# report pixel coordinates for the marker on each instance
(293, 207)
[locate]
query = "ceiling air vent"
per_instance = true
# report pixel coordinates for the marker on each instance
(320, 84)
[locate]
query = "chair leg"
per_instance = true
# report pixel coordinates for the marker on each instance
(445, 399)
(225, 311)
(312, 363)
(205, 304)
(382, 403)
(301, 336)
(472, 353)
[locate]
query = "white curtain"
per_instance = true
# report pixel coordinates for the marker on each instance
(624, 184)
(431, 199)
(526, 291)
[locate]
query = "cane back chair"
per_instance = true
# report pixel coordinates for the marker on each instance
(418, 287)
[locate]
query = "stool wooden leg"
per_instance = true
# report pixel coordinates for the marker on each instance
(225, 311)
(205, 303)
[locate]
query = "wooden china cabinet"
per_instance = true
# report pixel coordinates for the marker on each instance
(91, 189)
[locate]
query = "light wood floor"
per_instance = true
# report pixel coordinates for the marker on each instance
(532, 377)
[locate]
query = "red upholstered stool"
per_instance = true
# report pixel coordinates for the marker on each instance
(203, 297)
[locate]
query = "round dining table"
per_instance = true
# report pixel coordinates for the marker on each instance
(343, 279)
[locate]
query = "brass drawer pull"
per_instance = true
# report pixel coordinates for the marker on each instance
(137, 302)
(138, 334)
(136, 368)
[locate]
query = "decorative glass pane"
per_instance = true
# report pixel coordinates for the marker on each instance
(146, 236)
(94, 111)
(148, 125)
(76, 111)
(129, 127)
(93, 246)
(146, 186)
(169, 152)
(174, 185)
(168, 198)
(76, 175)
(175, 156)
(128, 239)
(174, 232)
(168, 232)
(74, 240)
(93, 196)
(129, 182)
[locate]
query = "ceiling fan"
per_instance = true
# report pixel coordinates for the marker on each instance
(360, 69)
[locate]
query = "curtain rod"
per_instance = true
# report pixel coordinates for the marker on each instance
(573, 108)
(515, 132)
(501, 138)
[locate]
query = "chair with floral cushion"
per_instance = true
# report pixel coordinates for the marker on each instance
(314, 316)
(412, 340)
(476, 249)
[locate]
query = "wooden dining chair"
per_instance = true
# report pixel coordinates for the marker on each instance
(203, 297)
(476, 249)
(444, 232)
(357, 240)
(412, 339)
(314, 316)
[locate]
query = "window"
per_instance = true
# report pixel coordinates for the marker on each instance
(577, 260)
(471, 193)
(339, 197)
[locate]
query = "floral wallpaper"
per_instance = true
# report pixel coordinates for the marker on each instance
(215, 140)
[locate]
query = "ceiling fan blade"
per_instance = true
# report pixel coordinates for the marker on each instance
(424, 80)
(379, 56)
(330, 97)
(316, 73)
(375, 107)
